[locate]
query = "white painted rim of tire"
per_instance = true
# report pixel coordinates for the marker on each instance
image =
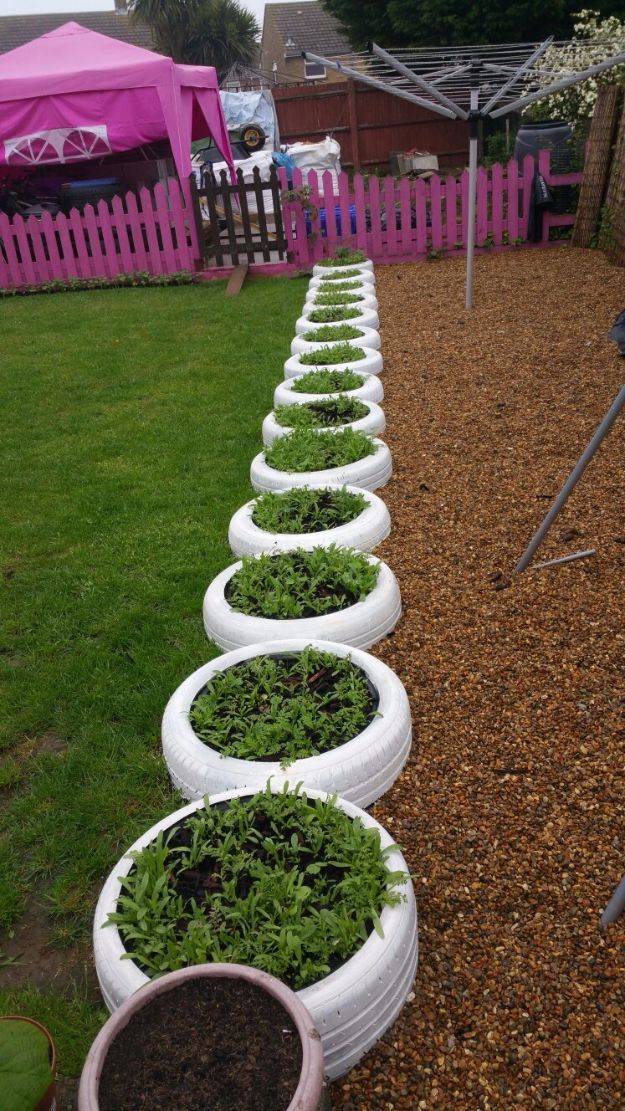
(360, 770)
(369, 338)
(365, 277)
(361, 624)
(351, 1007)
(360, 297)
(372, 424)
(371, 390)
(319, 269)
(369, 473)
(367, 318)
(365, 532)
(371, 364)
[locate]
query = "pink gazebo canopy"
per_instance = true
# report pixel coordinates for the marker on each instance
(74, 94)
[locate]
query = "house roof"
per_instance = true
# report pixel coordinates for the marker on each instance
(310, 27)
(16, 30)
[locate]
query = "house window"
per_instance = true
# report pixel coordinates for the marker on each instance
(314, 71)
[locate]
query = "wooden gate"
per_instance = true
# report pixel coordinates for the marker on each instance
(241, 222)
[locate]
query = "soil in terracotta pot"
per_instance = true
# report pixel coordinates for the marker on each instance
(217, 1044)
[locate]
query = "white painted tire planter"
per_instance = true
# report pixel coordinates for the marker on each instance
(371, 364)
(365, 532)
(369, 473)
(364, 277)
(371, 390)
(364, 300)
(366, 318)
(372, 424)
(369, 338)
(319, 270)
(361, 624)
(351, 1007)
(360, 770)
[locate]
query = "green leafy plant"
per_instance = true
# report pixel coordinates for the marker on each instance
(331, 355)
(286, 884)
(332, 298)
(303, 510)
(331, 334)
(299, 583)
(325, 413)
(307, 450)
(434, 255)
(344, 257)
(327, 381)
(138, 279)
(340, 287)
(333, 312)
(487, 242)
(284, 708)
(340, 277)
(25, 1072)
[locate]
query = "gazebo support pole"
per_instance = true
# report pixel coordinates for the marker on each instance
(474, 118)
(615, 906)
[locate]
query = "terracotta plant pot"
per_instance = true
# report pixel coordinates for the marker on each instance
(309, 1093)
(49, 1100)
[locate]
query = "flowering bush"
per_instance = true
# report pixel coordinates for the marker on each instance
(594, 41)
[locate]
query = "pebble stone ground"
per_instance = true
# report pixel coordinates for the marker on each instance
(510, 811)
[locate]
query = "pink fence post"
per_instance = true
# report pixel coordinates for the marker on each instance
(33, 228)
(375, 217)
(184, 223)
(481, 207)
(76, 224)
(316, 247)
(48, 232)
(436, 221)
(451, 218)
(328, 204)
(421, 216)
(528, 176)
(16, 275)
(162, 215)
(344, 208)
(388, 193)
(497, 203)
(512, 207)
(119, 218)
(112, 260)
(136, 231)
(23, 244)
(405, 216)
(147, 212)
(92, 233)
(360, 205)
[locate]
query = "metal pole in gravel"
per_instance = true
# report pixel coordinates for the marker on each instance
(474, 117)
(573, 479)
(616, 905)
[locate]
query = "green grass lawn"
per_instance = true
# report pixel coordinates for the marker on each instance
(129, 420)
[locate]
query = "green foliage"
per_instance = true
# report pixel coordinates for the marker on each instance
(333, 298)
(306, 450)
(72, 1021)
(200, 32)
(332, 335)
(334, 313)
(344, 257)
(295, 887)
(437, 23)
(303, 510)
(332, 355)
(299, 583)
(340, 276)
(327, 381)
(285, 708)
(342, 286)
(25, 1073)
(497, 149)
(138, 279)
(325, 413)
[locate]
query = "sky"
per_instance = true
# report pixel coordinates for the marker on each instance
(28, 7)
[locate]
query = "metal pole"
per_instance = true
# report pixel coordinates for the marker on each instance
(418, 80)
(563, 83)
(615, 907)
(394, 90)
(473, 128)
(574, 477)
(564, 559)
(540, 50)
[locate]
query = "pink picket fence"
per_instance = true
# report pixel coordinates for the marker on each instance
(153, 230)
(394, 221)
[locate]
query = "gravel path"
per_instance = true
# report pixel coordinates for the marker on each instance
(510, 812)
